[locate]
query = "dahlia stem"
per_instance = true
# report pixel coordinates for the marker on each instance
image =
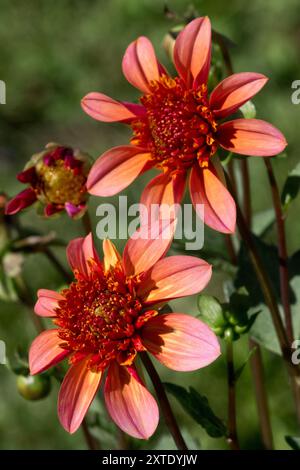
(256, 362)
(282, 250)
(93, 444)
(57, 264)
(246, 192)
(270, 299)
(164, 403)
(232, 438)
(86, 222)
(257, 369)
(25, 298)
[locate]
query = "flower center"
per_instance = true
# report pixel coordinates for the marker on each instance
(179, 127)
(99, 318)
(59, 183)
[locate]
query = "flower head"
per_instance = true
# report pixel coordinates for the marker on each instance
(56, 178)
(178, 127)
(110, 313)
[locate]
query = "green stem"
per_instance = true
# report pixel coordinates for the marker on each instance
(164, 403)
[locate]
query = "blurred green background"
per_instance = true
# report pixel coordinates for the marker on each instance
(51, 55)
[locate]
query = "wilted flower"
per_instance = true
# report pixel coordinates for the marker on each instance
(56, 178)
(108, 315)
(178, 127)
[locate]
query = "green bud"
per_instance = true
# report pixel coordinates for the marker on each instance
(211, 311)
(33, 387)
(248, 110)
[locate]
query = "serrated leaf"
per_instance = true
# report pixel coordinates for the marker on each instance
(291, 187)
(293, 442)
(197, 406)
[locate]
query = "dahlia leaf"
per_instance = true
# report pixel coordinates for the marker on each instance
(197, 406)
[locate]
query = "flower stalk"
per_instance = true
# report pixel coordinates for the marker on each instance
(282, 251)
(164, 403)
(232, 438)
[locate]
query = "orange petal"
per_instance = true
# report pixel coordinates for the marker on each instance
(76, 393)
(174, 277)
(219, 206)
(140, 65)
(79, 252)
(192, 51)
(180, 342)
(147, 246)
(103, 108)
(116, 169)
(47, 303)
(234, 91)
(111, 254)
(165, 189)
(251, 137)
(45, 351)
(129, 403)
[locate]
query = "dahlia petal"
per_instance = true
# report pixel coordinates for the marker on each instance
(20, 201)
(47, 303)
(147, 246)
(45, 351)
(80, 252)
(129, 403)
(73, 210)
(103, 108)
(27, 176)
(77, 391)
(140, 65)
(180, 342)
(234, 91)
(51, 209)
(251, 137)
(192, 51)
(164, 189)
(219, 206)
(116, 169)
(174, 277)
(111, 254)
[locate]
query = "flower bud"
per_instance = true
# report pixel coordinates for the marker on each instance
(33, 387)
(56, 179)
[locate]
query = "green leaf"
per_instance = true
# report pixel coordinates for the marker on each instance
(263, 222)
(293, 442)
(291, 187)
(198, 408)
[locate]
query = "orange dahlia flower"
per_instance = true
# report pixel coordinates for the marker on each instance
(108, 315)
(178, 127)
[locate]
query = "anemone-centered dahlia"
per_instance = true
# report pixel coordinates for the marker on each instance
(57, 180)
(108, 315)
(178, 127)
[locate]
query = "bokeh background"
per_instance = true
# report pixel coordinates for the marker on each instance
(51, 55)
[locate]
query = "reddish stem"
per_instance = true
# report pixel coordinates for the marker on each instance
(282, 250)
